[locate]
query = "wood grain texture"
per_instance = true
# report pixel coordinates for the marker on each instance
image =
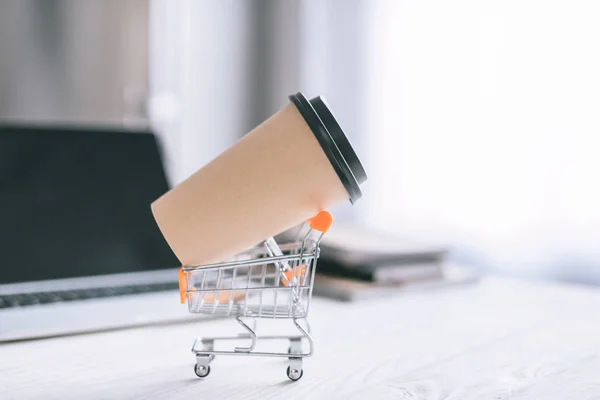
(499, 339)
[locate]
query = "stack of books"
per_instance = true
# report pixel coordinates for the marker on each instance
(356, 263)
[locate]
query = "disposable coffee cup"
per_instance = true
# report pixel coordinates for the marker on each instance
(293, 165)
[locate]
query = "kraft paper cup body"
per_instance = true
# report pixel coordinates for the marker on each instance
(275, 177)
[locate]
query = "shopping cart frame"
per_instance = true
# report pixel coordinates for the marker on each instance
(293, 273)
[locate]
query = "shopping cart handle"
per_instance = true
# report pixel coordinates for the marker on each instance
(321, 222)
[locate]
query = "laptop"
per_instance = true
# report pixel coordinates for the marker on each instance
(79, 248)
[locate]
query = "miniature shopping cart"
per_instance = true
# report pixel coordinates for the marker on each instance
(269, 281)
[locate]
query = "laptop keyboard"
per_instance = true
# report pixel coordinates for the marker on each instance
(29, 299)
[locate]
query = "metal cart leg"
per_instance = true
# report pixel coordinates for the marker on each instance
(251, 333)
(295, 345)
(296, 342)
(208, 345)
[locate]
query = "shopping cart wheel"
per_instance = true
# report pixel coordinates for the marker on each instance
(202, 371)
(294, 374)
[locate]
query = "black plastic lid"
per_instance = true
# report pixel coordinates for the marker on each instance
(340, 139)
(332, 139)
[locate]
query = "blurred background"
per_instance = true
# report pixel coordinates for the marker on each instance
(477, 121)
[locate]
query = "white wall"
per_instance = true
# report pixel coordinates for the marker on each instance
(485, 122)
(198, 80)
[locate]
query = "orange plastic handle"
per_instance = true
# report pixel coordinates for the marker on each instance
(182, 286)
(321, 222)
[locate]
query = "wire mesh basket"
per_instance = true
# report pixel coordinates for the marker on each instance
(269, 281)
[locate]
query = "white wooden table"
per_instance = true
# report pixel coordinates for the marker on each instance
(499, 339)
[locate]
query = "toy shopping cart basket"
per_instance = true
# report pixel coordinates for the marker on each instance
(269, 281)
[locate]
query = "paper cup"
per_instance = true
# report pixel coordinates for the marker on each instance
(295, 164)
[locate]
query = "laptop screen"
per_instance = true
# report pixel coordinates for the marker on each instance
(76, 202)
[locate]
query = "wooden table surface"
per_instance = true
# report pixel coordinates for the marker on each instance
(498, 339)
